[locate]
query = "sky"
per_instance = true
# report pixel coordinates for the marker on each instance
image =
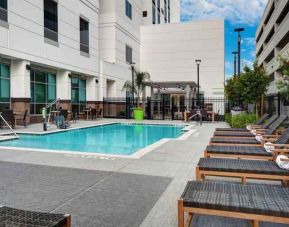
(237, 13)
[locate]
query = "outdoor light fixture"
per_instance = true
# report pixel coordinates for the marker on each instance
(28, 67)
(96, 81)
(198, 62)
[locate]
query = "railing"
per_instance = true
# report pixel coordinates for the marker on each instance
(11, 129)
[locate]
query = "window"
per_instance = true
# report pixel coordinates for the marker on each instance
(43, 90)
(166, 11)
(128, 9)
(128, 54)
(144, 13)
(78, 94)
(169, 11)
(154, 11)
(84, 36)
(159, 11)
(3, 10)
(50, 20)
(4, 87)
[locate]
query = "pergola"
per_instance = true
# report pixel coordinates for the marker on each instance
(186, 87)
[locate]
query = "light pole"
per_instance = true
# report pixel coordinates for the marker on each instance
(239, 30)
(132, 64)
(235, 62)
(198, 62)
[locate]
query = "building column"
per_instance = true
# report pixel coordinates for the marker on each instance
(63, 88)
(91, 92)
(20, 87)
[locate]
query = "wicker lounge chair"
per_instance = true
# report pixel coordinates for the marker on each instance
(257, 125)
(248, 141)
(21, 218)
(251, 202)
(250, 152)
(244, 169)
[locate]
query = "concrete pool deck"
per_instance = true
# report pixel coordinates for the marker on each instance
(175, 160)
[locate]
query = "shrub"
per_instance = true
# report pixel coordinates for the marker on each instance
(242, 120)
(228, 118)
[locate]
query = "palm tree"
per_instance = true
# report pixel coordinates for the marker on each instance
(139, 84)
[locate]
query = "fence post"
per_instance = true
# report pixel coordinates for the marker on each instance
(163, 109)
(128, 106)
(149, 114)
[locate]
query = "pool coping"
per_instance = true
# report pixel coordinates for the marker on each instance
(136, 155)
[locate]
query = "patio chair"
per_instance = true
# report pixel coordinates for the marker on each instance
(93, 114)
(9, 118)
(15, 217)
(258, 124)
(60, 122)
(260, 131)
(241, 168)
(99, 114)
(250, 152)
(248, 141)
(256, 203)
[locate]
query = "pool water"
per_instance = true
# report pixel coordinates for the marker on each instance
(117, 139)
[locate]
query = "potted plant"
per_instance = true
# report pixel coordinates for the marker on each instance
(139, 86)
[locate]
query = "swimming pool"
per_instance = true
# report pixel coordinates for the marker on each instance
(118, 139)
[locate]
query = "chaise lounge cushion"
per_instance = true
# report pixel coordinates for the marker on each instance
(238, 150)
(235, 140)
(22, 218)
(232, 129)
(241, 166)
(232, 134)
(252, 199)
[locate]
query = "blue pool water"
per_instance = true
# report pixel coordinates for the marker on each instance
(108, 139)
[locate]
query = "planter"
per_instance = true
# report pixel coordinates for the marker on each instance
(138, 114)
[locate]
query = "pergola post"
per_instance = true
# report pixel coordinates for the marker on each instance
(188, 91)
(152, 101)
(159, 101)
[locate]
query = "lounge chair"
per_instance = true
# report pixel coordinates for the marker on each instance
(255, 203)
(258, 124)
(15, 217)
(248, 141)
(244, 169)
(250, 152)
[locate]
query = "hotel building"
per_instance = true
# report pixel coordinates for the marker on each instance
(272, 39)
(80, 51)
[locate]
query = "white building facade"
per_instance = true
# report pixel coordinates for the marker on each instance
(80, 50)
(272, 39)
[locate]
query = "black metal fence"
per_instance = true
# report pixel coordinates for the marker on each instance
(165, 108)
(276, 104)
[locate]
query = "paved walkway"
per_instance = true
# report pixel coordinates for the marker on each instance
(175, 160)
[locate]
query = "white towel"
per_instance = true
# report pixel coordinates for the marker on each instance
(268, 147)
(282, 164)
(253, 132)
(249, 127)
(259, 138)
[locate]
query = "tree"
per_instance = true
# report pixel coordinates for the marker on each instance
(253, 84)
(139, 84)
(232, 89)
(283, 83)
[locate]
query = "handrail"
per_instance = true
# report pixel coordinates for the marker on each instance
(3, 119)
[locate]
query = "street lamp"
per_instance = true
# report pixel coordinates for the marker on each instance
(235, 62)
(198, 62)
(239, 30)
(132, 64)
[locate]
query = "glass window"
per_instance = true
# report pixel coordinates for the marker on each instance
(128, 9)
(154, 11)
(128, 53)
(4, 85)
(84, 35)
(50, 20)
(42, 89)
(3, 10)
(78, 94)
(159, 11)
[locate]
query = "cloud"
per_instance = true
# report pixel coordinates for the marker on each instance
(250, 41)
(246, 12)
(247, 62)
